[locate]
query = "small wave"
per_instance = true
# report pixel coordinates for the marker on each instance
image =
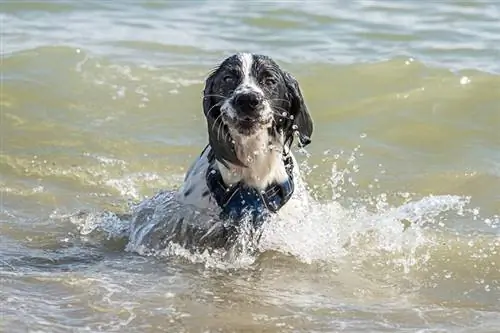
(109, 173)
(94, 72)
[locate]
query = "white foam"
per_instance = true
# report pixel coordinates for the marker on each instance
(107, 222)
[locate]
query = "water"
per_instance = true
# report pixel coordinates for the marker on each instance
(100, 108)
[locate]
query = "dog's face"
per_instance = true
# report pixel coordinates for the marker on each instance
(248, 94)
(251, 88)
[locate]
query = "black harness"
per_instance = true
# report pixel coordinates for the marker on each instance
(239, 201)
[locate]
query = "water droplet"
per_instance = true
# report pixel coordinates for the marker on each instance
(464, 80)
(362, 135)
(284, 114)
(295, 127)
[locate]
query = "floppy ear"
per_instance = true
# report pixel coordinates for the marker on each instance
(218, 137)
(302, 121)
(208, 100)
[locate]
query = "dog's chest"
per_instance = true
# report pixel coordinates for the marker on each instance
(196, 191)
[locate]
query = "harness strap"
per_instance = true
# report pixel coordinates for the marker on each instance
(240, 200)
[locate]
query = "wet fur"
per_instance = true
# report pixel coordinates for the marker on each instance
(245, 156)
(251, 155)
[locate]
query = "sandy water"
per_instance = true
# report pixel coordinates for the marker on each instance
(100, 108)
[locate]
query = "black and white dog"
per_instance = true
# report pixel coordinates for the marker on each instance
(254, 110)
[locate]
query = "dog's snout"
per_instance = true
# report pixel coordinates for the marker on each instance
(248, 101)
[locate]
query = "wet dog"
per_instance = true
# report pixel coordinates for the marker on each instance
(246, 173)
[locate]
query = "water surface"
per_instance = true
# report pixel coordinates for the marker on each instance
(101, 108)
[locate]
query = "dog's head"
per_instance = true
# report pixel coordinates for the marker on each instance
(248, 94)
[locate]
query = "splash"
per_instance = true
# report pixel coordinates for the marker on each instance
(364, 225)
(110, 224)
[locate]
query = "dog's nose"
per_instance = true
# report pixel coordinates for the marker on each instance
(248, 100)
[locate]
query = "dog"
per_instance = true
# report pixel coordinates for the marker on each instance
(247, 172)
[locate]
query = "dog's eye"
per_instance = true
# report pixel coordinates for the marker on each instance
(228, 78)
(269, 81)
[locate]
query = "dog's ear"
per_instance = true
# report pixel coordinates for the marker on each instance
(208, 99)
(218, 136)
(302, 121)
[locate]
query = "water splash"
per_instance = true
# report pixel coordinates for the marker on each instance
(343, 227)
(111, 224)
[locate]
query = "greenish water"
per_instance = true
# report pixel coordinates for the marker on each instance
(101, 107)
